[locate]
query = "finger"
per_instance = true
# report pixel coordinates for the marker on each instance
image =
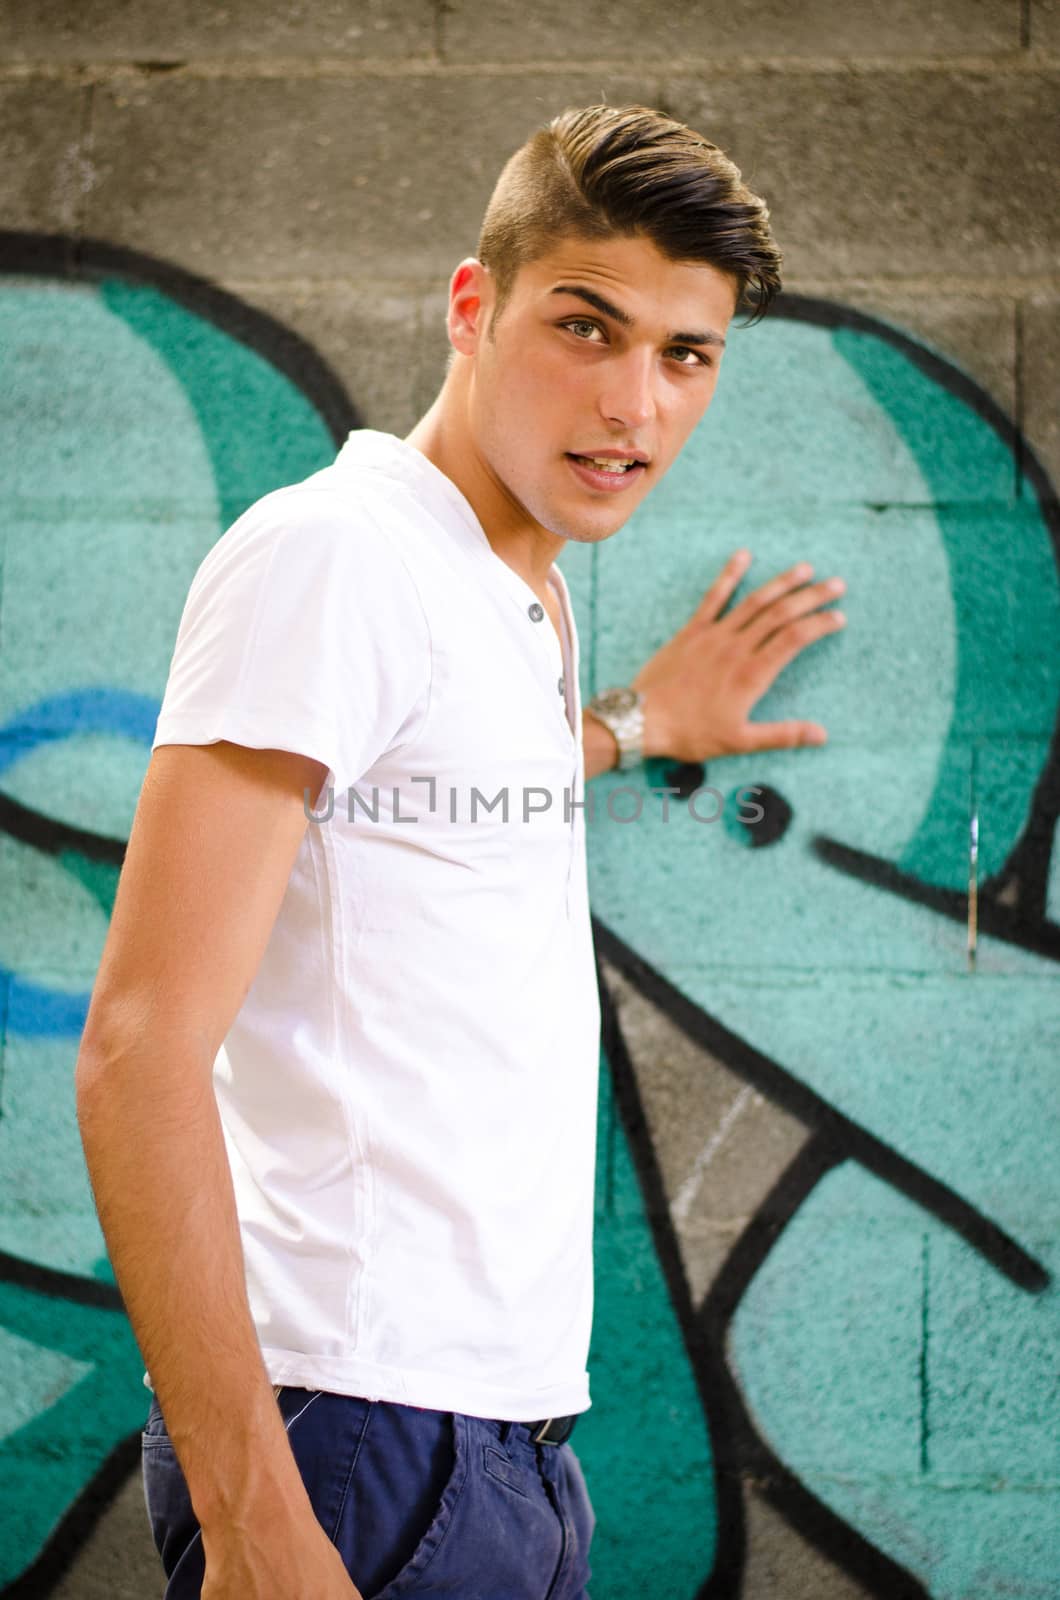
(770, 659)
(768, 593)
(721, 590)
(789, 735)
(789, 608)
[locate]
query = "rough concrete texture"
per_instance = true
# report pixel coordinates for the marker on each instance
(142, 32)
(780, 1564)
(719, 1145)
(336, 188)
(398, 336)
(43, 172)
(976, 332)
(823, 1360)
(1043, 26)
(714, 31)
(879, 172)
(118, 1560)
(464, 32)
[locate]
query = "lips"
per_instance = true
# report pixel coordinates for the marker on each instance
(619, 472)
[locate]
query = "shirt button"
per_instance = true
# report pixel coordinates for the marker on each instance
(536, 612)
(562, 686)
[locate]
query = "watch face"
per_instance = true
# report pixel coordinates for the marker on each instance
(616, 701)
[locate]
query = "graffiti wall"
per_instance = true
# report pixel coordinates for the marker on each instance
(840, 1122)
(134, 428)
(824, 1357)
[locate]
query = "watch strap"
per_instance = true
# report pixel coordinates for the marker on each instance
(622, 710)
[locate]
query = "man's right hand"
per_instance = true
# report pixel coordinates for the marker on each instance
(245, 1561)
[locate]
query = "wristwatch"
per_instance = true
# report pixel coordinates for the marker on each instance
(622, 710)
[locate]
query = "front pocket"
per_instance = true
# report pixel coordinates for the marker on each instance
(406, 1579)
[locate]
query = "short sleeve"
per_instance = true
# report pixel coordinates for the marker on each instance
(303, 630)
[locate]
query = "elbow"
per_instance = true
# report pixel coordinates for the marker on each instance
(137, 1047)
(95, 1052)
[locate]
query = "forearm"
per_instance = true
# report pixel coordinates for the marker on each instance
(156, 1157)
(599, 745)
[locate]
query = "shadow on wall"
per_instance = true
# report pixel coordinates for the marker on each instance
(823, 1353)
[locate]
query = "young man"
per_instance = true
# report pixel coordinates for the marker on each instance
(337, 1086)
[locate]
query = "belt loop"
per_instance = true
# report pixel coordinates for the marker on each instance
(506, 1429)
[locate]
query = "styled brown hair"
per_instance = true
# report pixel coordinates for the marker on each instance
(619, 170)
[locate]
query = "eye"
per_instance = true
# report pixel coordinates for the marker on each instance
(697, 359)
(574, 323)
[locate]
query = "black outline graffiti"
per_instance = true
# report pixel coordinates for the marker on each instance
(834, 1138)
(1014, 924)
(88, 260)
(1011, 907)
(1012, 903)
(76, 1526)
(738, 1450)
(53, 837)
(60, 255)
(842, 1134)
(57, 1285)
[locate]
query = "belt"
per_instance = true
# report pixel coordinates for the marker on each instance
(551, 1430)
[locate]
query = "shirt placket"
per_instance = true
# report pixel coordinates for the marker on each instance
(564, 673)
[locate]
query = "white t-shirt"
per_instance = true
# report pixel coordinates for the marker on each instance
(408, 1092)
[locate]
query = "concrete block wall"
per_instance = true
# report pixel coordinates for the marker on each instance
(824, 1357)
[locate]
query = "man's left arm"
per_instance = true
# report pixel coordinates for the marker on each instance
(700, 687)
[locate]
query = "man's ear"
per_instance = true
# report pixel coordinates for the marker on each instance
(471, 291)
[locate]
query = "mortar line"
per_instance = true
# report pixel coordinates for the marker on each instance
(925, 1426)
(612, 1140)
(5, 989)
(1020, 62)
(948, 286)
(1017, 398)
(1025, 24)
(594, 585)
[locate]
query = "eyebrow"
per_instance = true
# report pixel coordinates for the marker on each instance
(624, 319)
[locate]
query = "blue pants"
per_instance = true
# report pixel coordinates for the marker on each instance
(417, 1502)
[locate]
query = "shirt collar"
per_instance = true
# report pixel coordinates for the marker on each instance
(386, 452)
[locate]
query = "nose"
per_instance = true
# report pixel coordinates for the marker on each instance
(628, 394)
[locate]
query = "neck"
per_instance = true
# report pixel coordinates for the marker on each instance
(444, 435)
